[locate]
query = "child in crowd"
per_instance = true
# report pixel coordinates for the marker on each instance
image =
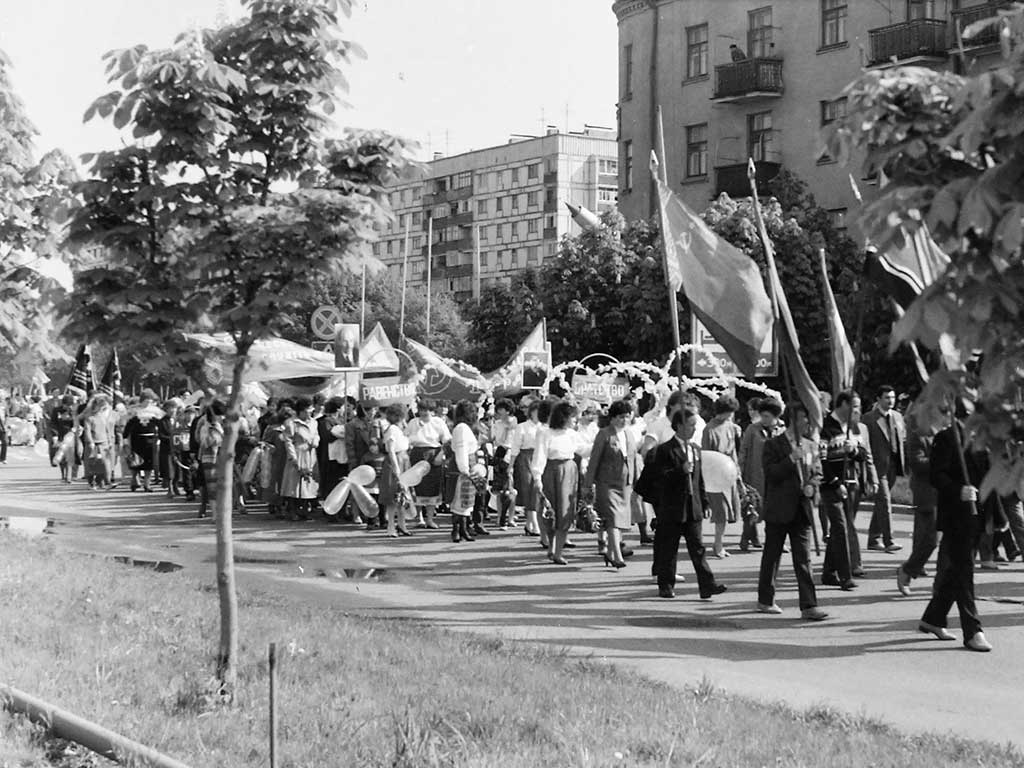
(374, 457)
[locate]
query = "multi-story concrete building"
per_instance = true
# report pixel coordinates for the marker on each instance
(761, 79)
(503, 205)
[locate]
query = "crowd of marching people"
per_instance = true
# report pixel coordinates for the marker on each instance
(556, 472)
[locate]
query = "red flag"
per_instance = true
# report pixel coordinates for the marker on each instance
(723, 284)
(843, 362)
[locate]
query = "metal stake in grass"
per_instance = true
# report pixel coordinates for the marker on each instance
(272, 659)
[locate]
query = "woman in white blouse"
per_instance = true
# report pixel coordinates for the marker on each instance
(393, 496)
(465, 447)
(428, 434)
(555, 471)
(520, 452)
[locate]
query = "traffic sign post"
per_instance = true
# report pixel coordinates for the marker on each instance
(323, 321)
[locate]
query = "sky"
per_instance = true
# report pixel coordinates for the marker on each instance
(454, 75)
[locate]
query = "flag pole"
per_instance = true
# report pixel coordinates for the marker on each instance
(405, 274)
(661, 167)
(362, 306)
(430, 265)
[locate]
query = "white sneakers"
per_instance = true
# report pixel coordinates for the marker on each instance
(773, 608)
(978, 643)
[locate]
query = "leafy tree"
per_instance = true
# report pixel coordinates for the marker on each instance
(33, 202)
(229, 201)
(501, 319)
(951, 148)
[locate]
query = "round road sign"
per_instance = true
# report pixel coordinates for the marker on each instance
(323, 321)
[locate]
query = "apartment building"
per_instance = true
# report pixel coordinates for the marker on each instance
(492, 212)
(761, 79)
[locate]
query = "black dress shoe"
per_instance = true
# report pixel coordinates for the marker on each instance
(829, 580)
(846, 586)
(626, 551)
(666, 592)
(569, 545)
(479, 530)
(858, 572)
(715, 590)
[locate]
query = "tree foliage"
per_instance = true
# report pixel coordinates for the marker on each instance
(230, 199)
(951, 148)
(33, 200)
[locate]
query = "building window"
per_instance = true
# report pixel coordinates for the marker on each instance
(549, 197)
(417, 243)
(606, 195)
(627, 72)
(837, 217)
(608, 167)
(549, 222)
(920, 9)
(481, 207)
(531, 226)
(499, 205)
(532, 199)
(464, 180)
(483, 233)
(627, 176)
(697, 51)
(759, 136)
(833, 110)
(515, 202)
(551, 165)
(533, 255)
(759, 36)
(833, 22)
(696, 150)
(417, 219)
(533, 171)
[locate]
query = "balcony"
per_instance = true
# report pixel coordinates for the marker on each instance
(550, 206)
(462, 244)
(460, 270)
(748, 80)
(458, 220)
(551, 177)
(732, 179)
(964, 17)
(448, 196)
(550, 233)
(919, 40)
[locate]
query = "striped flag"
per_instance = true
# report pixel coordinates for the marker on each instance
(723, 284)
(904, 273)
(82, 382)
(110, 381)
(842, 358)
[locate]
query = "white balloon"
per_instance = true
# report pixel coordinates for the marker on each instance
(41, 448)
(362, 475)
(415, 474)
(719, 471)
(366, 503)
(336, 498)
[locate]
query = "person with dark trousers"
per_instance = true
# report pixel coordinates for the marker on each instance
(925, 538)
(671, 481)
(845, 464)
(888, 435)
(792, 472)
(960, 520)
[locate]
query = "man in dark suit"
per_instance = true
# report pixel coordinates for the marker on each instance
(960, 523)
(671, 481)
(888, 435)
(792, 472)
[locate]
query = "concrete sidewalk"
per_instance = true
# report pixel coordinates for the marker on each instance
(866, 659)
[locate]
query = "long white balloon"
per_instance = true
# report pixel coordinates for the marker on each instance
(336, 499)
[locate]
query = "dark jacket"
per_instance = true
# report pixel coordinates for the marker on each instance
(784, 497)
(884, 444)
(947, 477)
(677, 496)
(608, 466)
(919, 448)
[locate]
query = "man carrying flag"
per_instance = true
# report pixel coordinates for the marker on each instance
(110, 381)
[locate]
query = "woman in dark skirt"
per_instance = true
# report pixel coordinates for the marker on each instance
(523, 444)
(613, 468)
(555, 471)
(428, 434)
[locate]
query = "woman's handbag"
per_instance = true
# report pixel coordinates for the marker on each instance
(135, 461)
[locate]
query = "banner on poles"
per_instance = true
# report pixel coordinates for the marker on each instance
(535, 369)
(600, 389)
(389, 390)
(767, 358)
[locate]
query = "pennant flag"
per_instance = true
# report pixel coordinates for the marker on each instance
(905, 272)
(110, 381)
(377, 355)
(843, 361)
(444, 379)
(723, 285)
(588, 220)
(789, 342)
(82, 382)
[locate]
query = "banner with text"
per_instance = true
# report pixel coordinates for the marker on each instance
(600, 389)
(389, 390)
(767, 358)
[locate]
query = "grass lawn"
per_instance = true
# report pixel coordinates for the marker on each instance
(131, 649)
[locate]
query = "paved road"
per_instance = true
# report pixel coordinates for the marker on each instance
(866, 659)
